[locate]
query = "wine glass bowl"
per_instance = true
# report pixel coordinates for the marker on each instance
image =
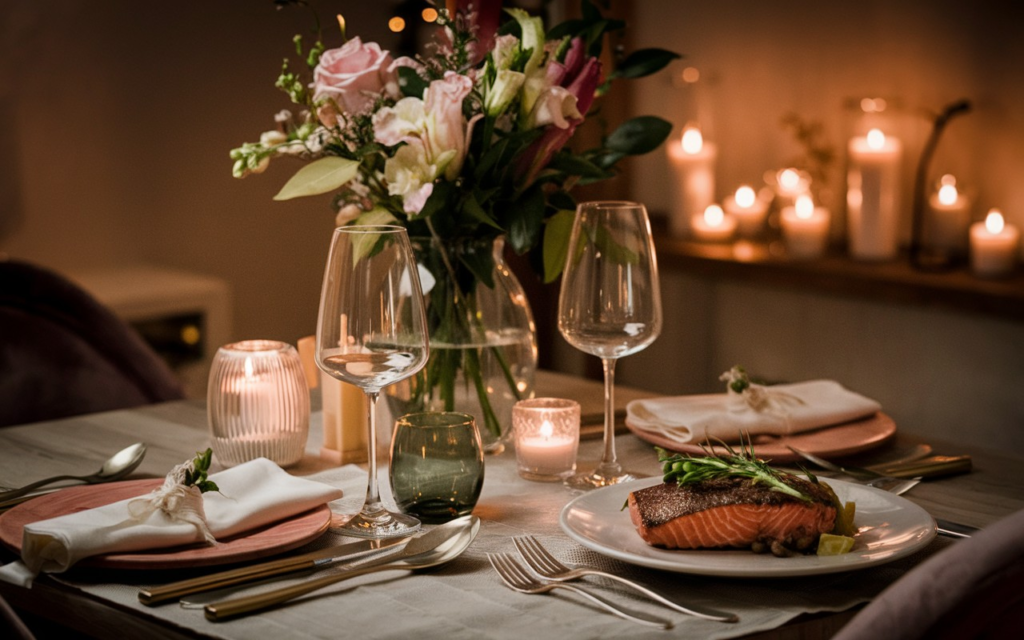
(609, 304)
(372, 332)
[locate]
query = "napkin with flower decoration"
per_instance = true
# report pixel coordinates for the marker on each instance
(250, 495)
(757, 410)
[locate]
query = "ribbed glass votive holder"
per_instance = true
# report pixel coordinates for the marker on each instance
(258, 403)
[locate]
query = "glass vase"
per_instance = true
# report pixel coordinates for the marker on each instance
(483, 343)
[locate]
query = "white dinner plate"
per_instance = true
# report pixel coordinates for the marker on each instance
(889, 527)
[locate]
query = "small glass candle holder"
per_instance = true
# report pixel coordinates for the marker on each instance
(437, 465)
(258, 403)
(547, 435)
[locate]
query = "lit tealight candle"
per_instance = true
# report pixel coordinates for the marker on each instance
(693, 177)
(994, 246)
(790, 183)
(805, 229)
(872, 196)
(546, 433)
(946, 227)
(748, 210)
(713, 225)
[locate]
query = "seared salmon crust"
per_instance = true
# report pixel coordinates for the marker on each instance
(730, 512)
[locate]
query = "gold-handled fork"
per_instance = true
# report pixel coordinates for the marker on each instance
(518, 579)
(548, 567)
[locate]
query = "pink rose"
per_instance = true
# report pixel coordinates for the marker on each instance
(351, 78)
(443, 101)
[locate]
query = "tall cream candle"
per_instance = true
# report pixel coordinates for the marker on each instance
(994, 246)
(872, 196)
(692, 163)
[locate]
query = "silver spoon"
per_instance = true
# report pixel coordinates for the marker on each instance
(118, 466)
(439, 545)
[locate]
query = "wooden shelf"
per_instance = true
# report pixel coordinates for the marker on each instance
(895, 282)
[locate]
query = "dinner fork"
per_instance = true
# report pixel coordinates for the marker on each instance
(897, 486)
(518, 579)
(548, 567)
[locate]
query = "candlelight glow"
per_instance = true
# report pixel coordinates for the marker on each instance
(691, 74)
(947, 179)
(745, 197)
(876, 139)
(546, 429)
(692, 140)
(948, 194)
(789, 179)
(994, 222)
(396, 24)
(714, 216)
(341, 25)
(248, 360)
(429, 14)
(804, 207)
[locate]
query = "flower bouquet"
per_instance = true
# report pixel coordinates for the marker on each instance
(466, 147)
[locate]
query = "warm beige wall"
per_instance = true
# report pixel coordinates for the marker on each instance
(123, 113)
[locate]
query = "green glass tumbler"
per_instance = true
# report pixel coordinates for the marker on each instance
(437, 465)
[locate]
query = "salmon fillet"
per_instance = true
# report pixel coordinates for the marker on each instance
(730, 512)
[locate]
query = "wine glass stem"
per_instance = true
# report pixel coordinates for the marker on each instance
(372, 503)
(609, 465)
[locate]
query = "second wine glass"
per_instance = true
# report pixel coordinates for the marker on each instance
(372, 332)
(609, 305)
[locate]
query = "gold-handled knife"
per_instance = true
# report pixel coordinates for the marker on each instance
(314, 559)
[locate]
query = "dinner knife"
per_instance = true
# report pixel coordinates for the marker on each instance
(151, 596)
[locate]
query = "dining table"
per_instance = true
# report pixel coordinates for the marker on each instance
(464, 598)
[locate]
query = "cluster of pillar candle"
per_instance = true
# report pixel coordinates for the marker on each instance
(872, 207)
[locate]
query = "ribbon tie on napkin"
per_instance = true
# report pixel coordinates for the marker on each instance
(784, 409)
(251, 495)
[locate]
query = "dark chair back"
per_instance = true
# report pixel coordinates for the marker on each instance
(973, 589)
(62, 353)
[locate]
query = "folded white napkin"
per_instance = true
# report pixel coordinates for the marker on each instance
(251, 495)
(792, 408)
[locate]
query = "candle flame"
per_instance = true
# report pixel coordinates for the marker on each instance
(994, 222)
(546, 429)
(876, 139)
(692, 140)
(789, 179)
(341, 25)
(948, 194)
(745, 197)
(248, 368)
(714, 216)
(804, 207)
(947, 179)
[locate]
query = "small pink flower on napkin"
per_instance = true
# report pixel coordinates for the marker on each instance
(801, 407)
(251, 495)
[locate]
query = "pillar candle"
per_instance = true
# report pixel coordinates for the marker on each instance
(748, 210)
(805, 229)
(948, 218)
(692, 164)
(994, 246)
(713, 225)
(872, 196)
(345, 415)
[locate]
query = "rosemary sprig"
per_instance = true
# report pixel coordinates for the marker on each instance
(689, 469)
(196, 476)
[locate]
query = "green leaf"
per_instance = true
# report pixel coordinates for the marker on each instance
(556, 243)
(644, 62)
(376, 216)
(574, 165)
(639, 135)
(319, 176)
(527, 219)
(410, 82)
(472, 207)
(569, 28)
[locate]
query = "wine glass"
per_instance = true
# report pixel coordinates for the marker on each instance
(609, 305)
(372, 332)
